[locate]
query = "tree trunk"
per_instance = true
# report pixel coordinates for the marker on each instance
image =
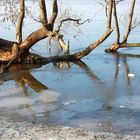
(109, 13)
(116, 45)
(54, 13)
(24, 56)
(79, 55)
(6, 44)
(33, 39)
(43, 13)
(7, 55)
(116, 23)
(128, 30)
(124, 44)
(20, 22)
(85, 52)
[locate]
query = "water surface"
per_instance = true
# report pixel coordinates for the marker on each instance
(100, 93)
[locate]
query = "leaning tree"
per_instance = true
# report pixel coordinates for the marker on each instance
(19, 51)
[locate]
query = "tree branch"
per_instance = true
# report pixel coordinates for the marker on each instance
(116, 23)
(20, 22)
(91, 47)
(109, 13)
(63, 45)
(128, 30)
(54, 12)
(43, 13)
(71, 19)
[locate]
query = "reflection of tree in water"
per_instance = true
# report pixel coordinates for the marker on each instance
(108, 93)
(24, 77)
(120, 57)
(100, 85)
(27, 105)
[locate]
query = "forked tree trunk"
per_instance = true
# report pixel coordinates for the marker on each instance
(123, 44)
(116, 45)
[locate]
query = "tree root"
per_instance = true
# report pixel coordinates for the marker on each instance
(113, 48)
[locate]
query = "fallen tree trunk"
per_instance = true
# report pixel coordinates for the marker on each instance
(117, 46)
(5, 44)
(30, 58)
(7, 54)
(133, 44)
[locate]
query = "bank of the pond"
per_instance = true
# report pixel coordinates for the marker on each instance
(35, 131)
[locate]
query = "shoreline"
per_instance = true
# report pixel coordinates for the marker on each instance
(39, 131)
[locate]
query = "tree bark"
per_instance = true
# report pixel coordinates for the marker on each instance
(33, 38)
(7, 55)
(109, 13)
(116, 23)
(43, 13)
(85, 52)
(54, 13)
(63, 44)
(6, 44)
(20, 22)
(128, 30)
(116, 45)
(24, 46)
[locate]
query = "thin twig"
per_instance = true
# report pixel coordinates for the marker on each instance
(74, 20)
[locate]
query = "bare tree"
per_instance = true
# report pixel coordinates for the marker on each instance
(18, 52)
(115, 46)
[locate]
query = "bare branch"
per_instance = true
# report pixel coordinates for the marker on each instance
(91, 47)
(63, 45)
(71, 19)
(135, 23)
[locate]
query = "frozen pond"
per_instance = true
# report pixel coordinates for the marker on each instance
(102, 93)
